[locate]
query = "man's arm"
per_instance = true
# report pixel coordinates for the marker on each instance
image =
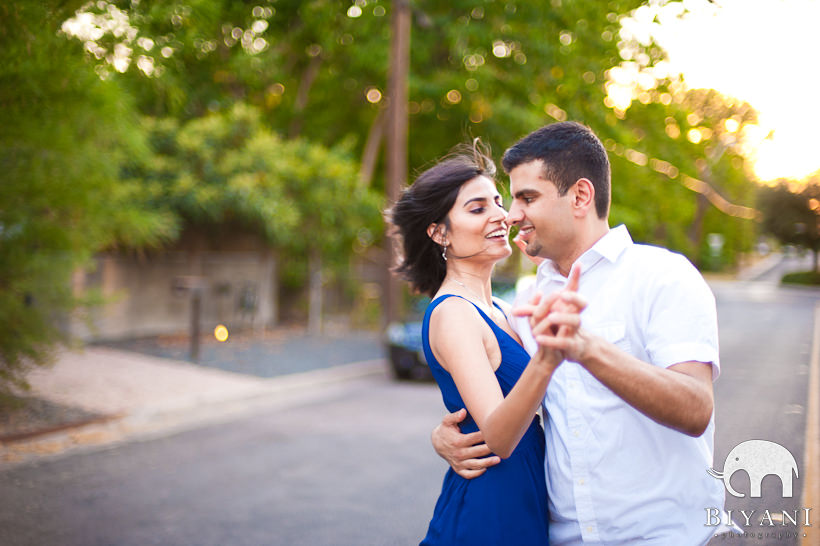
(679, 331)
(679, 396)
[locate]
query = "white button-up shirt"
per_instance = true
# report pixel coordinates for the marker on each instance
(614, 476)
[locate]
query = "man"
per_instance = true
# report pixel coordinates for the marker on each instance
(629, 413)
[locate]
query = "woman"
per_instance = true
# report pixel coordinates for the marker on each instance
(453, 230)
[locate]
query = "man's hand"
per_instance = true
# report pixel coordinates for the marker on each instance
(555, 319)
(467, 454)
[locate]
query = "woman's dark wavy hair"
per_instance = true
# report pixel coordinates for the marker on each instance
(429, 200)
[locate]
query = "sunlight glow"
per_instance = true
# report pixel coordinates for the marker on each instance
(761, 52)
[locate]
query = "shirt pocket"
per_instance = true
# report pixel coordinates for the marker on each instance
(613, 332)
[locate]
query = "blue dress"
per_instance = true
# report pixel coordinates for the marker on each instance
(508, 503)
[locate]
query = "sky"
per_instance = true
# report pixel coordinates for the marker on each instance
(765, 52)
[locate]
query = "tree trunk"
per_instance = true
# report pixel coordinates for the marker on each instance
(268, 312)
(302, 94)
(371, 148)
(695, 234)
(315, 291)
(397, 92)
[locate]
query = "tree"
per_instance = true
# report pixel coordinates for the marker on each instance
(791, 212)
(693, 172)
(63, 133)
(690, 143)
(228, 170)
(318, 70)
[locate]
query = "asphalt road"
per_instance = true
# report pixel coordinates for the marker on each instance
(351, 463)
(765, 336)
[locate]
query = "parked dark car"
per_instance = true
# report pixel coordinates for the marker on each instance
(405, 352)
(403, 339)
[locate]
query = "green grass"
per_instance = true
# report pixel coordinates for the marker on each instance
(810, 278)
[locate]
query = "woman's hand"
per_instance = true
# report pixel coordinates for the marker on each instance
(555, 320)
(522, 247)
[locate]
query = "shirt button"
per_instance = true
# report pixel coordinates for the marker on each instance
(589, 529)
(576, 433)
(581, 481)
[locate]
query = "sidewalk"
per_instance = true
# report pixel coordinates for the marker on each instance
(131, 396)
(760, 268)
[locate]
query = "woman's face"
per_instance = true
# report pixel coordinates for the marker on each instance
(478, 223)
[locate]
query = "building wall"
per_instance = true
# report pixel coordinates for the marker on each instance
(146, 295)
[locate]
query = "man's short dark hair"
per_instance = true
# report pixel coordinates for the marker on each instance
(569, 151)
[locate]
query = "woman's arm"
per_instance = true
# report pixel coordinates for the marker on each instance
(465, 454)
(459, 342)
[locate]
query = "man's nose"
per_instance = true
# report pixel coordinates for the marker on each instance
(515, 215)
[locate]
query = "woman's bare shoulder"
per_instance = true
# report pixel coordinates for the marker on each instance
(453, 310)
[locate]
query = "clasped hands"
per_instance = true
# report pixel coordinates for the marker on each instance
(555, 320)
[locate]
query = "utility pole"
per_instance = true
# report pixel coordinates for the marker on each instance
(396, 142)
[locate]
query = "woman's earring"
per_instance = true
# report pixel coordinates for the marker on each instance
(444, 252)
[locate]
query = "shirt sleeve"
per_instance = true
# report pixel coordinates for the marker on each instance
(681, 318)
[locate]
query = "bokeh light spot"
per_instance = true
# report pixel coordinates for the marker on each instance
(565, 37)
(373, 95)
(501, 49)
(221, 333)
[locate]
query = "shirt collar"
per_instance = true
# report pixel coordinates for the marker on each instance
(609, 247)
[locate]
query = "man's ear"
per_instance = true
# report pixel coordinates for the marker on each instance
(583, 193)
(436, 233)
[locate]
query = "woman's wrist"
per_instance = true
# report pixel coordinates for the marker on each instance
(546, 359)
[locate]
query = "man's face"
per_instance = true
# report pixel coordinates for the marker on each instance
(544, 218)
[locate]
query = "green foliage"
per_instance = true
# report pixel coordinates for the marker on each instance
(810, 278)
(228, 169)
(63, 133)
(254, 114)
(650, 193)
(477, 68)
(791, 212)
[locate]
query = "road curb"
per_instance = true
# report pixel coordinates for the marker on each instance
(811, 456)
(186, 413)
